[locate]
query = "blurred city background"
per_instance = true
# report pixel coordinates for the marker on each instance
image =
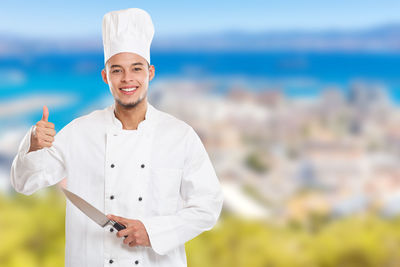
(297, 103)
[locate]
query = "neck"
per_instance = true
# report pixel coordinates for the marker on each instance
(131, 117)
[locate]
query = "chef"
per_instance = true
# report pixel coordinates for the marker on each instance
(148, 170)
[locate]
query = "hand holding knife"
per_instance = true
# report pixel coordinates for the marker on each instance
(90, 211)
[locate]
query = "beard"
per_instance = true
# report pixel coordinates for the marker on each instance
(130, 105)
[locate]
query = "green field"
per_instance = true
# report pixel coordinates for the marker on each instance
(32, 234)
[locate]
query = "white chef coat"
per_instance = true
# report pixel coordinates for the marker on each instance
(159, 174)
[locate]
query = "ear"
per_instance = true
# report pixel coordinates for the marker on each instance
(152, 72)
(104, 75)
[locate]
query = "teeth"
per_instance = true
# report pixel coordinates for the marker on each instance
(128, 89)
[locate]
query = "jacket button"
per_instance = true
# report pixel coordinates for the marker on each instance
(136, 262)
(142, 166)
(140, 198)
(112, 197)
(112, 165)
(111, 230)
(110, 261)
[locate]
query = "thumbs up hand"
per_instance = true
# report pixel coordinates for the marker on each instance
(43, 133)
(45, 116)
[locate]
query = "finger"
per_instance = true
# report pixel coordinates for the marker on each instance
(50, 132)
(124, 232)
(42, 136)
(119, 220)
(113, 217)
(137, 238)
(45, 116)
(139, 242)
(41, 131)
(45, 144)
(133, 243)
(48, 139)
(116, 219)
(49, 125)
(45, 124)
(128, 240)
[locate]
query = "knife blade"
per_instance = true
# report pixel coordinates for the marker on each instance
(90, 211)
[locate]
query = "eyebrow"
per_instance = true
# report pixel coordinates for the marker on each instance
(133, 64)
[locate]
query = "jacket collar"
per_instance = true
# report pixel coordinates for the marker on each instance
(147, 123)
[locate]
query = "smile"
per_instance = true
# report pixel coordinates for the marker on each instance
(128, 89)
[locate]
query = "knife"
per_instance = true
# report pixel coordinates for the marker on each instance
(90, 211)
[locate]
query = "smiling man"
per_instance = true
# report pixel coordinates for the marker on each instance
(128, 75)
(127, 79)
(148, 170)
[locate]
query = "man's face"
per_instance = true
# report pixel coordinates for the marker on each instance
(128, 76)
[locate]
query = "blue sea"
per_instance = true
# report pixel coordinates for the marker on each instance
(297, 74)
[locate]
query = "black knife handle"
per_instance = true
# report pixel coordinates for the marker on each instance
(118, 226)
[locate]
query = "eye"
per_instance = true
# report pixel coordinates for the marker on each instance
(138, 69)
(116, 71)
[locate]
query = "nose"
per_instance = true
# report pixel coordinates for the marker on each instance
(127, 77)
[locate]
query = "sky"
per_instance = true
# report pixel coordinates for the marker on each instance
(77, 18)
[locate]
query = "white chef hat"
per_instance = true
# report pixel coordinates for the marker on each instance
(128, 30)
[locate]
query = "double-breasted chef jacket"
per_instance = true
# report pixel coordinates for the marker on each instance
(159, 174)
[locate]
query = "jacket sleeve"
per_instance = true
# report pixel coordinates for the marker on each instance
(31, 171)
(202, 196)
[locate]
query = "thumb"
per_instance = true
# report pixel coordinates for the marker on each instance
(45, 115)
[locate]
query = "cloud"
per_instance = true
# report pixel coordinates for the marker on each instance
(11, 77)
(26, 105)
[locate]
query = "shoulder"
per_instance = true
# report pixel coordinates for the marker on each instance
(167, 123)
(93, 119)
